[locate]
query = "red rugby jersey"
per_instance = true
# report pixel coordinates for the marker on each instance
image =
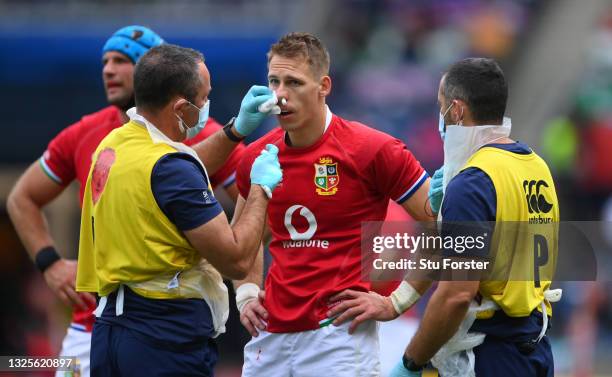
(315, 215)
(68, 157)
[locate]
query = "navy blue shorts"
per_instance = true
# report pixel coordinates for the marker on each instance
(501, 358)
(117, 351)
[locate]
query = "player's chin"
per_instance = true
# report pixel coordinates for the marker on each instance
(121, 100)
(287, 122)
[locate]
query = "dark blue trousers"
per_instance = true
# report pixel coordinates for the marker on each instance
(501, 358)
(119, 352)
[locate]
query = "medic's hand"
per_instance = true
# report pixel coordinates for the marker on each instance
(400, 371)
(61, 278)
(266, 170)
(249, 117)
(253, 315)
(361, 307)
(436, 194)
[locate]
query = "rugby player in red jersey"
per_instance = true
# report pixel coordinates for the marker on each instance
(68, 158)
(336, 174)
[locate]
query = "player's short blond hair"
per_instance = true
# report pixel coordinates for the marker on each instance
(303, 45)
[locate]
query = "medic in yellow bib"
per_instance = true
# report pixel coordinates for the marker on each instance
(491, 183)
(154, 241)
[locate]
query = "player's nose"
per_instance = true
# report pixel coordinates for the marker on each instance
(281, 92)
(108, 69)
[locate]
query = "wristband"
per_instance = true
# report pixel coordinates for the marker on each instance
(228, 131)
(46, 257)
(410, 365)
(403, 297)
(246, 293)
(267, 190)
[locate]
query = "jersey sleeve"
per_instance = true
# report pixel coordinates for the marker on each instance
(398, 174)
(182, 192)
(470, 196)
(469, 209)
(58, 160)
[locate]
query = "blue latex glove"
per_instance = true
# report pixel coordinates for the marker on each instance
(266, 170)
(399, 371)
(435, 193)
(249, 117)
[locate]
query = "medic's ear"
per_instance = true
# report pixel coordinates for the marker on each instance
(179, 106)
(458, 110)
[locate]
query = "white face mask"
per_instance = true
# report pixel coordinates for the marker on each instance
(460, 143)
(194, 130)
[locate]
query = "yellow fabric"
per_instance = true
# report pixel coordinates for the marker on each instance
(125, 237)
(526, 223)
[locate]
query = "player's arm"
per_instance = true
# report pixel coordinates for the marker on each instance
(418, 206)
(249, 295)
(425, 203)
(33, 191)
(214, 150)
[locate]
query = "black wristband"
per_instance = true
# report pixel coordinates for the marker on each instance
(46, 257)
(228, 131)
(410, 365)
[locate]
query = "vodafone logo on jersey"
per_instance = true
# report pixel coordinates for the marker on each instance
(302, 238)
(310, 217)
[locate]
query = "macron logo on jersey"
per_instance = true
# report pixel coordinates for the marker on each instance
(302, 239)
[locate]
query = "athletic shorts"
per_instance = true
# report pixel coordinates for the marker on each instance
(394, 337)
(77, 343)
(328, 351)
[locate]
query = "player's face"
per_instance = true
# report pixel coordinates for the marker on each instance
(293, 80)
(118, 77)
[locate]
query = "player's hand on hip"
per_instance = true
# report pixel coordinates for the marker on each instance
(253, 315)
(61, 278)
(249, 117)
(361, 307)
(436, 193)
(266, 170)
(400, 371)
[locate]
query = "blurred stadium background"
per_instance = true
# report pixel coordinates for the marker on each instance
(387, 57)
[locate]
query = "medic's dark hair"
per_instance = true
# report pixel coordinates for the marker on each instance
(164, 72)
(481, 84)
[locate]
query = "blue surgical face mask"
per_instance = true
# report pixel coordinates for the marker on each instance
(441, 125)
(199, 126)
